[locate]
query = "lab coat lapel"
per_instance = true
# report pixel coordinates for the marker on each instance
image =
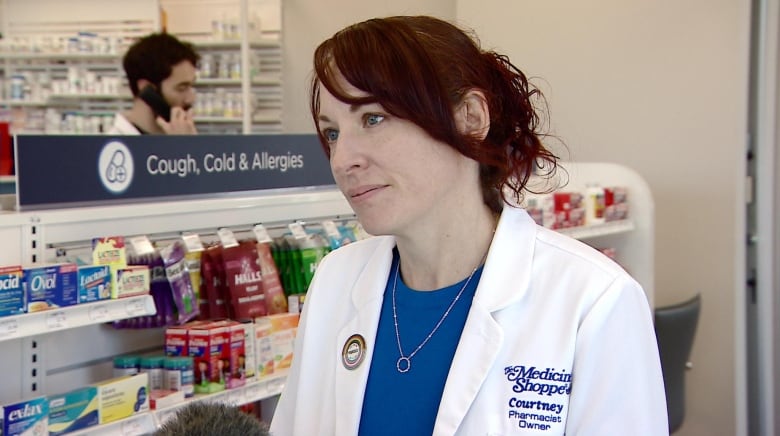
(505, 279)
(367, 294)
(479, 345)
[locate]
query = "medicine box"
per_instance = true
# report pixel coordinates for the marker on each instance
(283, 327)
(74, 410)
(121, 397)
(26, 418)
(209, 346)
(51, 287)
(264, 350)
(130, 281)
(94, 283)
(12, 300)
(250, 363)
(176, 341)
(237, 375)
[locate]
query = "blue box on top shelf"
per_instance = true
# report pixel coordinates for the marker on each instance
(94, 283)
(12, 300)
(51, 287)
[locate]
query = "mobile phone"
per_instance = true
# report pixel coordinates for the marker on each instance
(155, 100)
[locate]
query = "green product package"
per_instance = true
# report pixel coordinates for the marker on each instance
(313, 249)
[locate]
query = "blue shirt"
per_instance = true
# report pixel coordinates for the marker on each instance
(407, 403)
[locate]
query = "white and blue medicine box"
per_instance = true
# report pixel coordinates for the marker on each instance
(26, 418)
(12, 291)
(74, 410)
(51, 287)
(94, 283)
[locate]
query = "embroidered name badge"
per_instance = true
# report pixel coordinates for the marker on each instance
(535, 402)
(354, 352)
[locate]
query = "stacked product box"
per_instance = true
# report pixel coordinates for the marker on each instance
(564, 209)
(569, 210)
(280, 330)
(615, 203)
(218, 351)
(126, 280)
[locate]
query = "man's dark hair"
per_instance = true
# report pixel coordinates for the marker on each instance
(209, 419)
(153, 57)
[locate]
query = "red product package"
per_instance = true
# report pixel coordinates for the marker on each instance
(275, 300)
(209, 346)
(216, 305)
(237, 356)
(244, 280)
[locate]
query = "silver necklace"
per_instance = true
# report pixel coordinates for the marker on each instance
(404, 363)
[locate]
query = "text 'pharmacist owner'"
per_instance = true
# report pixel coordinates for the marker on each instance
(161, 71)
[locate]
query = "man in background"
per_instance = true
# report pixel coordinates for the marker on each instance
(161, 71)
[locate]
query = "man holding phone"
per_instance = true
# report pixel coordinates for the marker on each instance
(161, 71)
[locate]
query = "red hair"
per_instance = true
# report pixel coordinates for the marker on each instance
(419, 68)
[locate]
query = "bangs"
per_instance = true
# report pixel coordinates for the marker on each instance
(386, 64)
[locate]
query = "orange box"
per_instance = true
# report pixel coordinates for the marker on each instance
(283, 328)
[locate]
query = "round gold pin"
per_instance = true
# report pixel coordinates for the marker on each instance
(354, 352)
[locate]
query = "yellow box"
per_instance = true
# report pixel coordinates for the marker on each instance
(122, 397)
(130, 281)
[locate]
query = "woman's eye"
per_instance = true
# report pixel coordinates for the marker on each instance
(330, 135)
(374, 119)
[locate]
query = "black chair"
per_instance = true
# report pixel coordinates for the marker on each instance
(675, 328)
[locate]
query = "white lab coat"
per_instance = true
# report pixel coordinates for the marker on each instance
(546, 307)
(122, 126)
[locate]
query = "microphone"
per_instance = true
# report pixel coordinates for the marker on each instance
(208, 419)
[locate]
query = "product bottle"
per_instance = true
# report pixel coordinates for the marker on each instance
(125, 365)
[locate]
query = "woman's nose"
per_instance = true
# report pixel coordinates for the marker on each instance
(346, 155)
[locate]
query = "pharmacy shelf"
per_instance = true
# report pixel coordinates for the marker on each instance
(148, 422)
(253, 391)
(19, 103)
(38, 323)
(85, 96)
(60, 56)
(257, 81)
(235, 44)
(599, 230)
(234, 120)
(220, 120)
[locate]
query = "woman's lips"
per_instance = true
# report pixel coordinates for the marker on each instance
(365, 191)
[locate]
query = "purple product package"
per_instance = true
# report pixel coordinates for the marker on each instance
(160, 290)
(179, 278)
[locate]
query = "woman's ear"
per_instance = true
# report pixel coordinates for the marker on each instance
(472, 115)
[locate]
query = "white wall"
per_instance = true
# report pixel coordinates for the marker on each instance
(659, 86)
(309, 22)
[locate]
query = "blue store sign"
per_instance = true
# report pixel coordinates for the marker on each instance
(63, 171)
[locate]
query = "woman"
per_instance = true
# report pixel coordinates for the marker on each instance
(464, 317)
